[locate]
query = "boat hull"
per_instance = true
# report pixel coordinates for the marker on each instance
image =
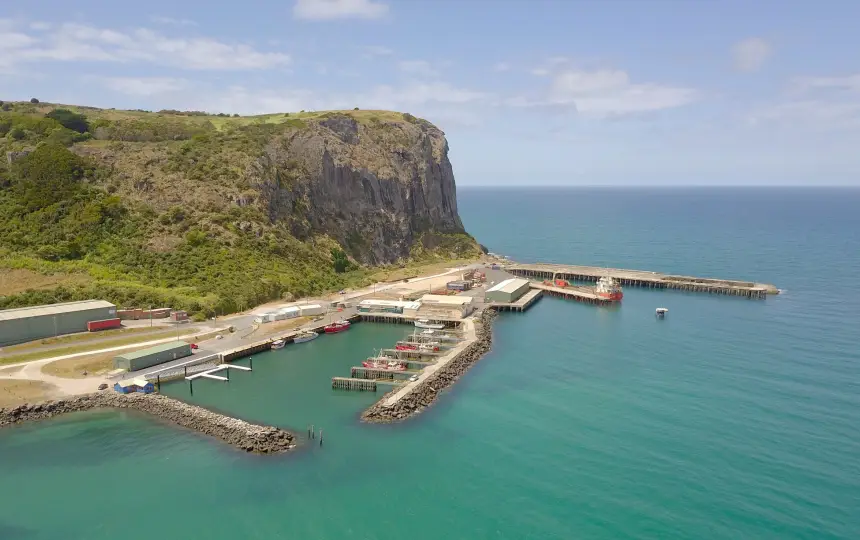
(304, 339)
(612, 297)
(429, 326)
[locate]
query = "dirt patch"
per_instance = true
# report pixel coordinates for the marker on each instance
(17, 280)
(17, 391)
(74, 368)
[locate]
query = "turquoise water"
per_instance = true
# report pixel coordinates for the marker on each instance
(731, 418)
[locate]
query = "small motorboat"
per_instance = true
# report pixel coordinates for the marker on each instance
(424, 323)
(337, 326)
(278, 344)
(661, 312)
(302, 337)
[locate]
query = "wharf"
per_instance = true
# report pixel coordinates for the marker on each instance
(266, 344)
(361, 372)
(399, 318)
(580, 294)
(521, 305)
(639, 278)
(362, 385)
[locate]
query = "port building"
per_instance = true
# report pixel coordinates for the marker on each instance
(134, 361)
(440, 305)
(37, 322)
(387, 306)
(507, 291)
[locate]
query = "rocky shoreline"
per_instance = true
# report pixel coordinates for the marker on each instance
(426, 393)
(243, 435)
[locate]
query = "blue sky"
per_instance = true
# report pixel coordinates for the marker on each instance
(539, 92)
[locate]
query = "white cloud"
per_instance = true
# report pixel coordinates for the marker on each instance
(412, 97)
(540, 72)
(145, 86)
(814, 103)
(420, 68)
(376, 50)
(78, 42)
(501, 66)
(607, 93)
(751, 54)
(807, 84)
(171, 21)
(322, 10)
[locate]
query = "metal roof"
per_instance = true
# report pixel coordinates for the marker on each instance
(508, 285)
(52, 309)
(153, 350)
(450, 300)
(405, 304)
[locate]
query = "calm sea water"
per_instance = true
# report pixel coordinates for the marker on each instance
(731, 418)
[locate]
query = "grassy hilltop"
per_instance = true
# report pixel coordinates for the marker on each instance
(181, 209)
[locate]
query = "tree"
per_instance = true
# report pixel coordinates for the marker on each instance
(355, 109)
(48, 175)
(340, 261)
(70, 120)
(17, 134)
(34, 101)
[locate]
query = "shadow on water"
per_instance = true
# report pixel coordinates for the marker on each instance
(15, 532)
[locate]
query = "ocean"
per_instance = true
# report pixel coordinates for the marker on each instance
(731, 418)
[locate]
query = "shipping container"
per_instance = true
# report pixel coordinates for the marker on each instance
(129, 314)
(460, 285)
(311, 310)
(280, 316)
(179, 316)
(290, 312)
(93, 326)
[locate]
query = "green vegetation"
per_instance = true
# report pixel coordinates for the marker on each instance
(129, 206)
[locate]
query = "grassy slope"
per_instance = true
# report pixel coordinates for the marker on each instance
(118, 233)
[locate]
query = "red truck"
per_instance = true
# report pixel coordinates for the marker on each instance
(94, 326)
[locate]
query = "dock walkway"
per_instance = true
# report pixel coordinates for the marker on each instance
(639, 278)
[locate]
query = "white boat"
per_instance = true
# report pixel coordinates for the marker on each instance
(305, 336)
(278, 344)
(424, 323)
(661, 312)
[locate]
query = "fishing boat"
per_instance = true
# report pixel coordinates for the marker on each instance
(278, 344)
(337, 326)
(425, 323)
(301, 337)
(390, 365)
(609, 289)
(423, 347)
(661, 312)
(439, 336)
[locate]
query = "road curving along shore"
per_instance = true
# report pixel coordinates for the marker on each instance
(238, 433)
(424, 394)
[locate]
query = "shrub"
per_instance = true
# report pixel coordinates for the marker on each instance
(34, 100)
(70, 120)
(355, 109)
(17, 134)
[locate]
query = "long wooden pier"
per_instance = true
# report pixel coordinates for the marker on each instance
(580, 294)
(639, 278)
(361, 372)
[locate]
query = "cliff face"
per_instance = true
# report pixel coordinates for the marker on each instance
(373, 187)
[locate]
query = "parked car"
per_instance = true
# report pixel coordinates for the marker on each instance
(413, 378)
(194, 346)
(103, 386)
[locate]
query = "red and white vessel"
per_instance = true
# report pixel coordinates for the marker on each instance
(423, 347)
(337, 326)
(383, 363)
(609, 289)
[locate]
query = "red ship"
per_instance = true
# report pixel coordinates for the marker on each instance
(609, 288)
(337, 326)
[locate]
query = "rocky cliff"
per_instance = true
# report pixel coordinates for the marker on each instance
(374, 187)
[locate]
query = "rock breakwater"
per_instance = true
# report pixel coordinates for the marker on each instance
(426, 393)
(243, 435)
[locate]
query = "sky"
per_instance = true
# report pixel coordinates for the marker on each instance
(536, 92)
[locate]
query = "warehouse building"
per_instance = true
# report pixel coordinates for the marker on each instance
(152, 356)
(387, 306)
(440, 305)
(507, 291)
(37, 322)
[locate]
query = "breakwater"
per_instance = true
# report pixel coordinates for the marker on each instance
(425, 393)
(243, 435)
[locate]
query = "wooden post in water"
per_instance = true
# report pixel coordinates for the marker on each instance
(191, 386)
(313, 435)
(158, 382)
(251, 362)
(321, 437)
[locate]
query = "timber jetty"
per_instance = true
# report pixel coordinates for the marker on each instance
(242, 435)
(409, 400)
(640, 278)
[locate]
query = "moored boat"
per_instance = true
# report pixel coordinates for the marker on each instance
(302, 337)
(278, 344)
(425, 323)
(609, 289)
(337, 326)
